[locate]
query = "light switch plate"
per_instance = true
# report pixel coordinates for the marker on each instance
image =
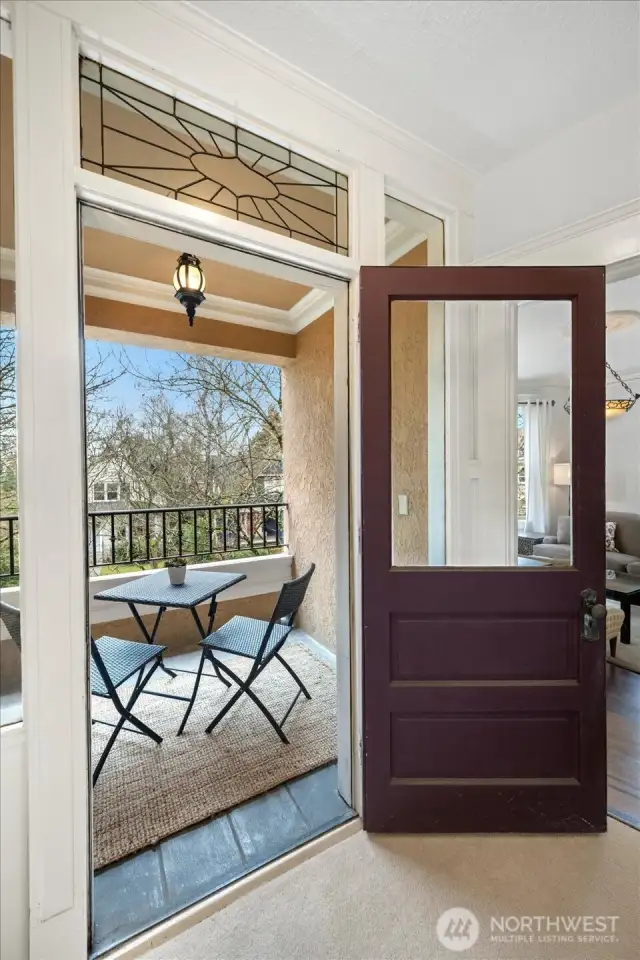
(403, 504)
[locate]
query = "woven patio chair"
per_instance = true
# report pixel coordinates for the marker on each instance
(10, 616)
(113, 662)
(257, 640)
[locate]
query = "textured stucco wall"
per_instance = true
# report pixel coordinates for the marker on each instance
(409, 422)
(309, 486)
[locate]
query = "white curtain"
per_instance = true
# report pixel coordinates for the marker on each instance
(537, 464)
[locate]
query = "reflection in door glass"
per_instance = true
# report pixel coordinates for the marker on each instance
(416, 239)
(544, 433)
(495, 432)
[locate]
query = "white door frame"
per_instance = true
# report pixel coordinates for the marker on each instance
(49, 182)
(107, 195)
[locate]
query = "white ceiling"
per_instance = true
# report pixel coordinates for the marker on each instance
(544, 341)
(481, 80)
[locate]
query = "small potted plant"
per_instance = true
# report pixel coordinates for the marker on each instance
(177, 569)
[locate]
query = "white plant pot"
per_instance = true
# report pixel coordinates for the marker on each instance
(177, 575)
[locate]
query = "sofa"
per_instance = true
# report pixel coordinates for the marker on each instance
(625, 560)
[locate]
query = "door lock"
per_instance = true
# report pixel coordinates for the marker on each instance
(592, 613)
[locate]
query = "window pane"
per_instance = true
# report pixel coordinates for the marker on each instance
(10, 635)
(112, 491)
(134, 133)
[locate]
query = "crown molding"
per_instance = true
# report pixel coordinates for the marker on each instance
(564, 234)
(400, 238)
(623, 269)
(626, 375)
(313, 305)
(562, 383)
(193, 18)
(161, 296)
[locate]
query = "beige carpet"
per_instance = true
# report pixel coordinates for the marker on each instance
(627, 655)
(147, 792)
(379, 898)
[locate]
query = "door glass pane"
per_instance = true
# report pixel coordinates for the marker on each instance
(135, 133)
(10, 634)
(493, 429)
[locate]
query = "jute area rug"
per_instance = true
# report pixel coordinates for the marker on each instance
(147, 792)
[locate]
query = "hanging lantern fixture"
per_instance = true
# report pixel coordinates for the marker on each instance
(189, 283)
(613, 408)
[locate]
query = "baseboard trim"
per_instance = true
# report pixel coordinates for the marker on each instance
(188, 918)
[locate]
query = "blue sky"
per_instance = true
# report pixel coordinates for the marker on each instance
(128, 391)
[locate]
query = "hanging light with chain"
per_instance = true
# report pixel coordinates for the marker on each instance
(613, 408)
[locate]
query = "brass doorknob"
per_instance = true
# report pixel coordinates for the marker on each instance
(598, 611)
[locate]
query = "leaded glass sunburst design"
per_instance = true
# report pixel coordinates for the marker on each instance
(137, 134)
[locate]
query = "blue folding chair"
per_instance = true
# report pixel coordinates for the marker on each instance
(113, 662)
(257, 640)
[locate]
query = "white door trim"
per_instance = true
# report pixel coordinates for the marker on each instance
(179, 219)
(113, 196)
(51, 472)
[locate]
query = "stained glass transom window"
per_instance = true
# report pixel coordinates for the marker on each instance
(134, 133)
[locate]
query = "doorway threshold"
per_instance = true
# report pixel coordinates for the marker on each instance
(140, 892)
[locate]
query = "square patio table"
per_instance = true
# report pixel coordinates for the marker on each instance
(155, 590)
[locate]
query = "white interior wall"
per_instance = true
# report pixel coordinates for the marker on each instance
(623, 433)
(544, 343)
(623, 458)
(14, 903)
(587, 169)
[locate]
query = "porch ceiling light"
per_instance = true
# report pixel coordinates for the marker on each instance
(613, 408)
(189, 283)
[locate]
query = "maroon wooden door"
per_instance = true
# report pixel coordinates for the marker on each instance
(484, 710)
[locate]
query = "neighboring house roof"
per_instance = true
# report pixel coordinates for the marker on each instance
(272, 469)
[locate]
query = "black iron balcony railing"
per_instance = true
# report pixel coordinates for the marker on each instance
(144, 536)
(9, 558)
